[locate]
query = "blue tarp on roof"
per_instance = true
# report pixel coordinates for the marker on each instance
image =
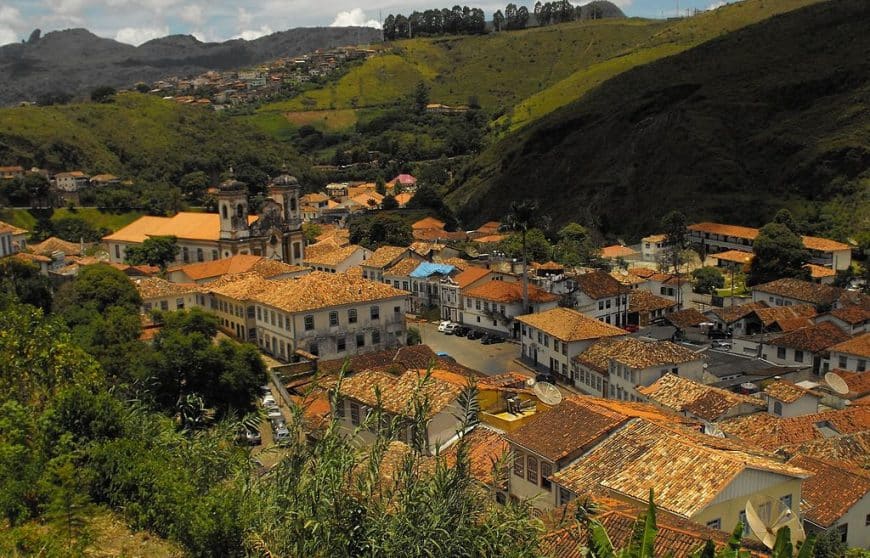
(427, 269)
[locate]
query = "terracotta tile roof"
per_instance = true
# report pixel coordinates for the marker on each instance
(11, 229)
(485, 448)
(364, 198)
(458, 263)
(684, 319)
(858, 382)
(507, 380)
(748, 233)
(71, 174)
(318, 290)
(852, 315)
(402, 268)
(25, 256)
(772, 433)
(831, 492)
(329, 256)
(858, 346)
(52, 244)
(339, 237)
(736, 256)
(676, 537)
(645, 301)
(184, 225)
(792, 324)
(405, 358)
(384, 256)
(242, 286)
(815, 338)
(508, 292)
(732, 314)
(397, 394)
(598, 284)
(851, 450)
(548, 266)
(785, 391)
(314, 198)
(155, 287)
(425, 248)
(403, 198)
(706, 402)
(434, 235)
(820, 271)
(655, 238)
(769, 316)
(241, 263)
(823, 244)
(490, 227)
(800, 290)
(634, 353)
(472, 274)
(642, 272)
(854, 298)
(574, 425)
(616, 251)
(627, 278)
(490, 239)
(687, 470)
(428, 223)
(569, 325)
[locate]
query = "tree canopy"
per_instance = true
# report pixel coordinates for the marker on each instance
(779, 253)
(158, 251)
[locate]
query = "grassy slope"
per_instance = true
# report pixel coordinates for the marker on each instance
(137, 135)
(98, 219)
(672, 39)
(499, 69)
(765, 117)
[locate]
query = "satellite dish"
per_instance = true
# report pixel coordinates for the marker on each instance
(836, 383)
(766, 516)
(548, 393)
(530, 382)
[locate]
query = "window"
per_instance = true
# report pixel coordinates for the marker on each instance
(477, 304)
(280, 321)
(272, 317)
(297, 251)
(780, 352)
(547, 341)
(340, 344)
(250, 312)
(185, 254)
(786, 500)
(164, 305)
(397, 309)
(844, 532)
(376, 337)
(360, 339)
(309, 322)
(147, 306)
(314, 349)
(333, 318)
(532, 469)
(404, 285)
(179, 303)
(519, 469)
(798, 356)
(354, 413)
(601, 305)
(555, 345)
(540, 337)
(777, 408)
(546, 471)
(287, 323)
(842, 362)
(565, 496)
(715, 524)
(862, 365)
(351, 316)
(608, 303)
(214, 254)
(376, 312)
(867, 520)
(118, 251)
(741, 517)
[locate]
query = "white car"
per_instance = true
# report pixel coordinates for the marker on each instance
(275, 413)
(268, 400)
(442, 326)
(721, 344)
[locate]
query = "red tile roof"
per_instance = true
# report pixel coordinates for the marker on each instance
(570, 325)
(831, 492)
(852, 315)
(772, 433)
(858, 346)
(800, 290)
(645, 301)
(599, 284)
(471, 275)
(508, 292)
(815, 338)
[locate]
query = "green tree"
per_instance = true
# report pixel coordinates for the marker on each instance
(829, 545)
(76, 229)
(421, 97)
(778, 253)
(389, 202)
(103, 94)
(23, 280)
(708, 280)
(158, 251)
(98, 287)
(498, 20)
(381, 186)
(68, 505)
(194, 186)
(575, 246)
(784, 217)
(379, 229)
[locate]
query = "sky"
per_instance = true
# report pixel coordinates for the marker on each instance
(138, 21)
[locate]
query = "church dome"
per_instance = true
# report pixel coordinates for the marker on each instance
(231, 184)
(285, 180)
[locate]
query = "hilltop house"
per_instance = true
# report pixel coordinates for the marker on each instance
(600, 296)
(851, 354)
(12, 239)
(494, 305)
(786, 399)
(276, 233)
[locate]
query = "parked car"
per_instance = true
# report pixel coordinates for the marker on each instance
(274, 413)
(268, 400)
(545, 377)
(631, 328)
(282, 435)
(721, 344)
(491, 339)
(461, 330)
(253, 437)
(450, 328)
(475, 334)
(719, 334)
(442, 327)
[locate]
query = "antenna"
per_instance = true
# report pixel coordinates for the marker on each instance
(766, 516)
(836, 383)
(548, 393)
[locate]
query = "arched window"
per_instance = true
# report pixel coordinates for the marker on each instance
(293, 204)
(240, 210)
(224, 211)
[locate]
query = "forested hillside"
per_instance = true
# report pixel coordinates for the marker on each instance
(765, 117)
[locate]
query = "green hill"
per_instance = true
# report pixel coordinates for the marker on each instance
(768, 116)
(137, 136)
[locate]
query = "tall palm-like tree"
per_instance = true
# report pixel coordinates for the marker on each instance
(520, 218)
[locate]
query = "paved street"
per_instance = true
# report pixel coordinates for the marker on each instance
(488, 359)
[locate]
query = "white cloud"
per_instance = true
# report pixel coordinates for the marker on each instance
(354, 18)
(7, 35)
(192, 13)
(138, 35)
(251, 34)
(715, 5)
